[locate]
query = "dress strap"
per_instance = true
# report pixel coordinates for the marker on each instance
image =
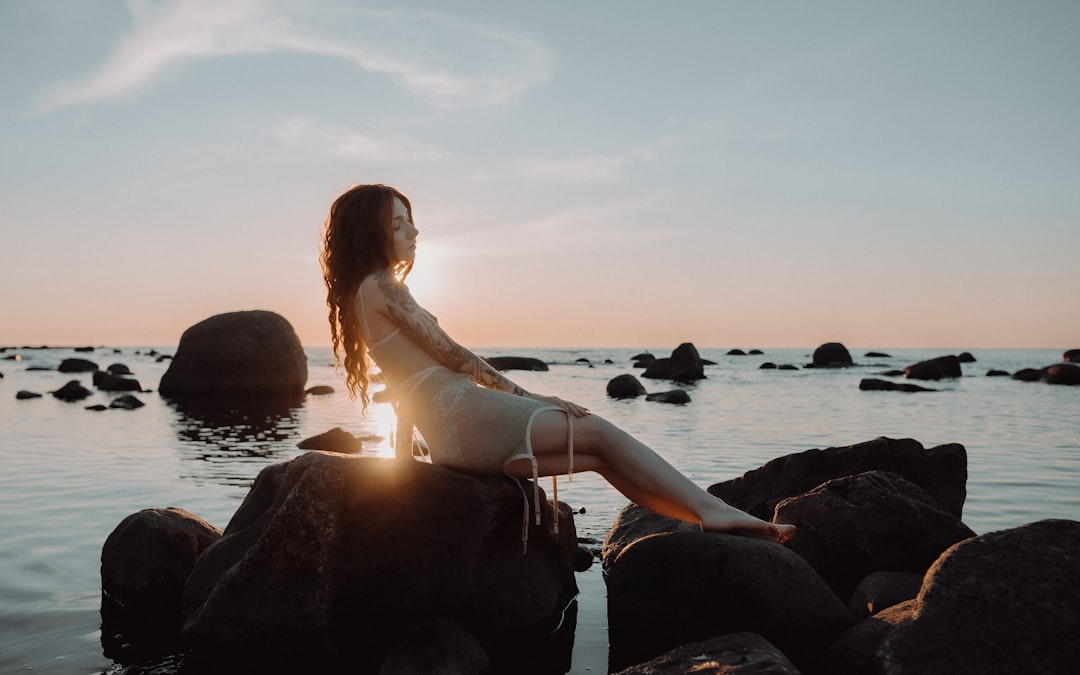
(531, 456)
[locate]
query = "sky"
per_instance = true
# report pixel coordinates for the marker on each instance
(583, 174)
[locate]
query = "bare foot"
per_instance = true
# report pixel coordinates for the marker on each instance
(730, 520)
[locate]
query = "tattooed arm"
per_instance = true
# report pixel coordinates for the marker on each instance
(420, 326)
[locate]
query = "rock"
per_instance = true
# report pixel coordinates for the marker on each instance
(736, 352)
(642, 360)
(996, 373)
(106, 382)
(670, 584)
(72, 391)
(77, 366)
(934, 369)
(438, 646)
(1003, 602)
(853, 653)
(24, 395)
(831, 355)
(1063, 373)
(145, 563)
(881, 590)
(319, 390)
(755, 352)
(503, 363)
(1027, 375)
(97, 408)
(893, 373)
(878, 355)
(335, 440)
(733, 654)
(126, 402)
(1071, 356)
(965, 357)
(871, 384)
(676, 396)
(331, 558)
(940, 471)
(787, 366)
(238, 353)
(768, 365)
(684, 365)
(118, 369)
(873, 521)
(625, 386)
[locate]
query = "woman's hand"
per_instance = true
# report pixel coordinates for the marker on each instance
(572, 408)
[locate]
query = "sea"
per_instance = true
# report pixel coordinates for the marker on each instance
(69, 474)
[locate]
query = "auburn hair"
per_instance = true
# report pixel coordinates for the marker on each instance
(358, 240)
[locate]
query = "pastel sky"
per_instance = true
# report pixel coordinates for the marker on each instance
(606, 173)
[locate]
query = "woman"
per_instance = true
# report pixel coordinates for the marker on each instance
(368, 249)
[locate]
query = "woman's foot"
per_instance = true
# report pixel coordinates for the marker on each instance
(730, 520)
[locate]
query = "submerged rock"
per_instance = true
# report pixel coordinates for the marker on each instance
(335, 440)
(871, 384)
(675, 396)
(935, 369)
(72, 391)
(503, 363)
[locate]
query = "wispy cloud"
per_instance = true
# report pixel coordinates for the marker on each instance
(584, 168)
(448, 61)
(334, 141)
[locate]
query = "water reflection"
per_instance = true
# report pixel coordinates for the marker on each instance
(230, 439)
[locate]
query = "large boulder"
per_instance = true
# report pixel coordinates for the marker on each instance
(940, 471)
(734, 654)
(1062, 373)
(873, 521)
(1004, 602)
(239, 353)
(684, 365)
(625, 386)
(1071, 356)
(670, 584)
(503, 363)
(935, 369)
(145, 563)
(831, 355)
(332, 558)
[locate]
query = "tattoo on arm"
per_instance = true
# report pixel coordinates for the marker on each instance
(421, 326)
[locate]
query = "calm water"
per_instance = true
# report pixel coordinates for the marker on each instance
(70, 475)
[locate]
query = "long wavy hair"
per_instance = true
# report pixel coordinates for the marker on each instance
(358, 240)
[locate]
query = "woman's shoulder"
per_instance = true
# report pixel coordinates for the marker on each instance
(382, 287)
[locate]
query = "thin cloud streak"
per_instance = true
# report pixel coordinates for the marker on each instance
(333, 141)
(450, 62)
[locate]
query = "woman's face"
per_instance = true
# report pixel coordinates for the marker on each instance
(404, 233)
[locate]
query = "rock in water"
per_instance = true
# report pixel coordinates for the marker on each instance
(250, 353)
(332, 558)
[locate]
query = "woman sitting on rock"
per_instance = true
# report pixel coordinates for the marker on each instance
(497, 427)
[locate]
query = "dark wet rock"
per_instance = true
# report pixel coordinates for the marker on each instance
(72, 391)
(437, 646)
(878, 355)
(1062, 373)
(584, 360)
(787, 366)
(238, 353)
(77, 366)
(755, 352)
(670, 584)
(331, 558)
(503, 363)
(145, 563)
(736, 352)
(642, 360)
(831, 355)
(625, 386)
(733, 654)
(684, 365)
(940, 471)
(98, 407)
(118, 369)
(1071, 356)
(126, 402)
(335, 440)
(1003, 602)
(855, 525)
(934, 369)
(871, 384)
(1027, 375)
(996, 373)
(768, 365)
(965, 357)
(881, 590)
(84, 349)
(107, 382)
(24, 395)
(319, 390)
(676, 396)
(854, 651)
(892, 373)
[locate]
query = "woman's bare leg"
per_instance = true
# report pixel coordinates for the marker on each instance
(640, 474)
